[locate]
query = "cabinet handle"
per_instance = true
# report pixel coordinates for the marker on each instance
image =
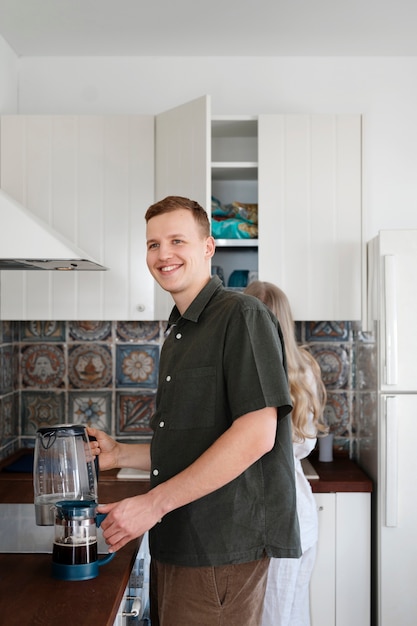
(391, 460)
(390, 305)
(136, 607)
(140, 308)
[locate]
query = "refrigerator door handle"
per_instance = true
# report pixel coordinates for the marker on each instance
(390, 306)
(391, 458)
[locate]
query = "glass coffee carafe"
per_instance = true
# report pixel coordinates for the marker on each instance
(75, 553)
(64, 469)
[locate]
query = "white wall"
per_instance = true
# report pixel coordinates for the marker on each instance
(8, 78)
(384, 90)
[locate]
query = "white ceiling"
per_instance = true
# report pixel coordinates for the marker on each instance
(210, 27)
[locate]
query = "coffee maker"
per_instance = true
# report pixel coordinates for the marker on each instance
(75, 553)
(64, 469)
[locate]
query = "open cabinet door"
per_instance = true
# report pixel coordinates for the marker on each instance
(182, 166)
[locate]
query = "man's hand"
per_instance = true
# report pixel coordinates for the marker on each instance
(105, 448)
(127, 520)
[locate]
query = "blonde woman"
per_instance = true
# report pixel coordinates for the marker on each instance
(287, 594)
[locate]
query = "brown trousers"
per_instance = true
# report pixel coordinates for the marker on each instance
(227, 595)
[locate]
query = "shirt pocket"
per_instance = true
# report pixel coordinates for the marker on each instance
(194, 399)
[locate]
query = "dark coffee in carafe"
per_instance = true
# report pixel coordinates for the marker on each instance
(74, 554)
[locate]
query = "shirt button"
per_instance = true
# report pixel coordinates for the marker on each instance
(155, 472)
(161, 424)
(178, 335)
(168, 378)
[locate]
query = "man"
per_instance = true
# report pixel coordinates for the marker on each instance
(222, 497)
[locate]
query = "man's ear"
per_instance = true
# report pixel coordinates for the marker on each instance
(210, 247)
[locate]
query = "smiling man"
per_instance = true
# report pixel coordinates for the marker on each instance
(222, 497)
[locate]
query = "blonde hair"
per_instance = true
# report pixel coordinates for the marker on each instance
(306, 397)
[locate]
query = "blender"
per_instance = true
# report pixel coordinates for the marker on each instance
(64, 469)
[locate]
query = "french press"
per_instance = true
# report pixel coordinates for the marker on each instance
(75, 553)
(64, 469)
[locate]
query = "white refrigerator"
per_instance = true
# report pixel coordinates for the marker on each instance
(388, 440)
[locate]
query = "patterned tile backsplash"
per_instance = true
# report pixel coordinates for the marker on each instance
(106, 373)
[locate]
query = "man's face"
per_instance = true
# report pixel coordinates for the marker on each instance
(178, 253)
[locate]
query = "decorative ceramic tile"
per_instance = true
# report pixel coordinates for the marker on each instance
(90, 331)
(6, 369)
(90, 366)
(365, 367)
(337, 413)
(134, 411)
(6, 331)
(137, 331)
(327, 331)
(298, 330)
(42, 331)
(366, 406)
(101, 361)
(368, 336)
(16, 367)
(8, 423)
(334, 361)
(43, 366)
(40, 408)
(92, 408)
(137, 366)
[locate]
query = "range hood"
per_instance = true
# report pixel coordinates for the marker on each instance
(28, 243)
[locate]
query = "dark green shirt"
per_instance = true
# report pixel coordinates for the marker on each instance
(222, 359)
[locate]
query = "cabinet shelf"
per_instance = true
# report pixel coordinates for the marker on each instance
(232, 170)
(236, 243)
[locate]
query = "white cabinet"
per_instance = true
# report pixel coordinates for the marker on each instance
(310, 220)
(92, 179)
(304, 171)
(340, 588)
(182, 165)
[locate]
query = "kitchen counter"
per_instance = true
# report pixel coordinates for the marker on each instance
(28, 593)
(30, 596)
(340, 475)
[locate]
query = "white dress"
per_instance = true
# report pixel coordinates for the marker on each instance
(287, 601)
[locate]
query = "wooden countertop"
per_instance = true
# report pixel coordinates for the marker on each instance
(28, 593)
(30, 596)
(339, 475)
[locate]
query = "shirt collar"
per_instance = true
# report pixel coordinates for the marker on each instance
(199, 303)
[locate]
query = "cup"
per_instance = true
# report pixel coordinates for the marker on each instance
(238, 278)
(326, 448)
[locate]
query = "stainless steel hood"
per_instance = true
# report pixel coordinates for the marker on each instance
(28, 243)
